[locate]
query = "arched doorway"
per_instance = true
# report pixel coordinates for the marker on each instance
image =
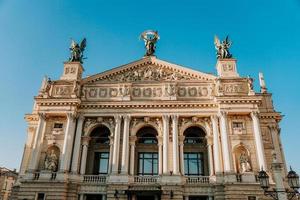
(147, 152)
(195, 155)
(98, 151)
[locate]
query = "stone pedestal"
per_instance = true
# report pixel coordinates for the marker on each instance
(227, 68)
(248, 177)
(229, 177)
(72, 71)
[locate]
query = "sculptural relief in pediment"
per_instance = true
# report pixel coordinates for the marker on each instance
(148, 73)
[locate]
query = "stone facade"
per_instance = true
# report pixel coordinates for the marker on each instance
(240, 130)
(7, 180)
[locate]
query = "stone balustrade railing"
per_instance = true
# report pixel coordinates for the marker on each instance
(146, 179)
(94, 179)
(197, 179)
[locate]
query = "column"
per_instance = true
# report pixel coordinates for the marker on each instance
(165, 143)
(68, 142)
(181, 153)
(210, 155)
(216, 148)
(258, 141)
(175, 144)
(125, 147)
(224, 141)
(85, 145)
(115, 158)
(277, 174)
(132, 153)
(160, 155)
(275, 141)
(35, 155)
(76, 151)
(111, 149)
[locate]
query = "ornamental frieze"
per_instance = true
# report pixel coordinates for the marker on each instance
(169, 91)
(148, 73)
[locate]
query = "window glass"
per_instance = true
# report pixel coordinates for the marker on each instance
(58, 125)
(101, 160)
(148, 164)
(193, 164)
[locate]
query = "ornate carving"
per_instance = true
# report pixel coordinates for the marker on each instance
(91, 122)
(149, 73)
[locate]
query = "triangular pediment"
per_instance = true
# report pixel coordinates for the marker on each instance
(149, 69)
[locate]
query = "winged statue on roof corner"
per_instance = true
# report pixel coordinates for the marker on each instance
(76, 51)
(223, 47)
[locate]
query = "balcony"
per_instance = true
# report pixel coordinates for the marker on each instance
(94, 179)
(191, 180)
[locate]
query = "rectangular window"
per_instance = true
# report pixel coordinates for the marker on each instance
(58, 125)
(101, 163)
(40, 196)
(237, 125)
(251, 197)
(148, 164)
(193, 164)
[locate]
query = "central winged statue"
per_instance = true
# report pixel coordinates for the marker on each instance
(76, 51)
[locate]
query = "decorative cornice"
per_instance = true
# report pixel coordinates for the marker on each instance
(162, 105)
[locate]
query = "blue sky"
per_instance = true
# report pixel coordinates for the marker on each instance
(35, 36)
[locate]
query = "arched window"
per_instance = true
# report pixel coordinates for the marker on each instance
(147, 156)
(100, 135)
(194, 135)
(147, 135)
(195, 152)
(98, 153)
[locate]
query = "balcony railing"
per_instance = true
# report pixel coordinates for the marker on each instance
(94, 179)
(197, 179)
(146, 179)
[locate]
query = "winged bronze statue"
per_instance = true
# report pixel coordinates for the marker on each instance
(150, 38)
(76, 51)
(223, 48)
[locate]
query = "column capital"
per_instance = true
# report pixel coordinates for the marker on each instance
(85, 140)
(222, 113)
(72, 115)
(132, 139)
(159, 140)
(254, 114)
(214, 117)
(175, 117)
(118, 118)
(81, 117)
(42, 115)
(166, 117)
(181, 139)
(126, 117)
(209, 140)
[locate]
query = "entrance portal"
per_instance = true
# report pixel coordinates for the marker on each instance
(198, 198)
(150, 197)
(93, 197)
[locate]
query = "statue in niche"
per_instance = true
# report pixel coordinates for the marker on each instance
(223, 48)
(150, 37)
(77, 51)
(244, 163)
(51, 161)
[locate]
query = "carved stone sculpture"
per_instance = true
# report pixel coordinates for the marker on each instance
(150, 37)
(244, 163)
(77, 51)
(223, 48)
(51, 161)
